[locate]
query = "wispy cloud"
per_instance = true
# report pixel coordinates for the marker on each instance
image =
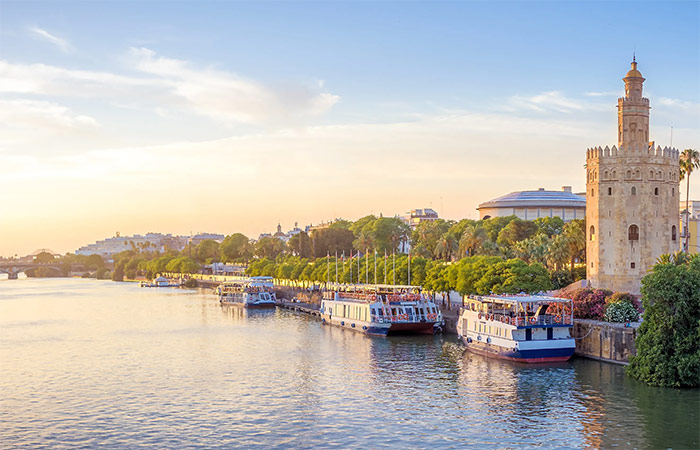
(61, 43)
(551, 102)
(166, 84)
(603, 94)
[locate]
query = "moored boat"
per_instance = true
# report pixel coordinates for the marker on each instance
(525, 328)
(380, 309)
(253, 292)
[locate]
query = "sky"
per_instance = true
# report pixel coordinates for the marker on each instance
(185, 117)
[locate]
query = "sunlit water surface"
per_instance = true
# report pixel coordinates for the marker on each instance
(87, 363)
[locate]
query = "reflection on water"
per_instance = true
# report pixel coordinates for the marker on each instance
(88, 363)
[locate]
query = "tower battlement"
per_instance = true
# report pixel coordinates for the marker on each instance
(633, 150)
(624, 100)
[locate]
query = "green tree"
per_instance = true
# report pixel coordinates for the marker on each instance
(517, 230)
(300, 244)
(43, 258)
(472, 240)
(426, 236)
(206, 251)
(330, 240)
(549, 225)
(269, 247)
(668, 340)
(689, 161)
(236, 248)
(575, 234)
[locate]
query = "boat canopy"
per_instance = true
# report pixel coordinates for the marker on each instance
(515, 299)
(372, 287)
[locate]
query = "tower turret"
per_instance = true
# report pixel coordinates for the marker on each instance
(633, 113)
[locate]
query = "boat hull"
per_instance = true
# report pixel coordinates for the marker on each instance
(543, 355)
(413, 327)
(250, 305)
(369, 328)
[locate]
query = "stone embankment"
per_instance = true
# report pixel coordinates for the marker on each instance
(605, 341)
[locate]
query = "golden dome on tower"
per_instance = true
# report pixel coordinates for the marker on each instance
(634, 73)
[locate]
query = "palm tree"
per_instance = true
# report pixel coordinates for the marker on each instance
(575, 235)
(472, 240)
(689, 161)
(446, 246)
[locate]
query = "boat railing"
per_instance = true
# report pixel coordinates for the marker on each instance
(406, 318)
(521, 321)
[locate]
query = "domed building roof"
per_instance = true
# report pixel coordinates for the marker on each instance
(537, 199)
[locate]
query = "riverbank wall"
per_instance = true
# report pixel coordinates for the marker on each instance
(605, 341)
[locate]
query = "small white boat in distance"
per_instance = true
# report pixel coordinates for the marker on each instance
(160, 282)
(252, 292)
(525, 328)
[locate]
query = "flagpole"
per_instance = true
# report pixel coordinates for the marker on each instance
(328, 268)
(366, 266)
(393, 266)
(336, 267)
(351, 281)
(375, 266)
(359, 274)
(409, 269)
(385, 258)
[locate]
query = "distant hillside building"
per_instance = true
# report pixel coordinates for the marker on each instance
(148, 242)
(530, 205)
(631, 198)
(198, 238)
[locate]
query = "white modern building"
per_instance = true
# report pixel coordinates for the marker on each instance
(530, 205)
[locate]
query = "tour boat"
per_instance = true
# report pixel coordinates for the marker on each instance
(253, 292)
(525, 328)
(380, 309)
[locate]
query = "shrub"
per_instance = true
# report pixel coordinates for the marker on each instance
(579, 273)
(626, 297)
(668, 348)
(621, 312)
(589, 303)
(191, 283)
(561, 278)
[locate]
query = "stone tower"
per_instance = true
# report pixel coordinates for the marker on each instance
(631, 198)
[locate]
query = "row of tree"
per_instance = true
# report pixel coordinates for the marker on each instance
(471, 275)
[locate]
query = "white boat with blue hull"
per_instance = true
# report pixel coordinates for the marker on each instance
(380, 309)
(252, 292)
(525, 328)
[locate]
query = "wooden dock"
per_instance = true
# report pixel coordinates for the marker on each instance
(305, 308)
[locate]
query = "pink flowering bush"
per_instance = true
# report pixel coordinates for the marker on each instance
(589, 303)
(593, 303)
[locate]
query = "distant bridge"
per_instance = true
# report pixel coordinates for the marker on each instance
(13, 269)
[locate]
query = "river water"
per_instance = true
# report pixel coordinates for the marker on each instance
(86, 363)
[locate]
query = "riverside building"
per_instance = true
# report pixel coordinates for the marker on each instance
(530, 205)
(631, 198)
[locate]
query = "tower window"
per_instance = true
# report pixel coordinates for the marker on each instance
(633, 233)
(631, 265)
(609, 191)
(634, 190)
(656, 191)
(592, 233)
(673, 191)
(673, 233)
